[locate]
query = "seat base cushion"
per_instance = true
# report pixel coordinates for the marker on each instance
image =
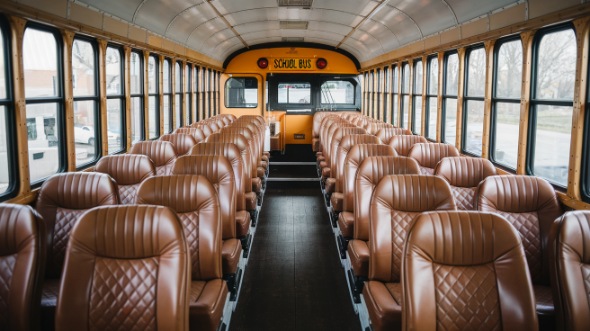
(384, 305)
(242, 223)
(337, 200)
(207, 300)
(251, 201)
(346, 224)
(330, 185)
(231, 250)
(358, 250)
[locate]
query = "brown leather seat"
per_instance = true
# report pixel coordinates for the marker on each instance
(336, 181)
(127, 267)
(385, 134)
(570, 260)
(396, 201)
(357, 154)
(193, 198)
(232, 153)
(62, 199)
(531, 205)
(336, 138)
(375, 126)
(321, 127)
(253, 184)
(464, 175)
(162, 153)
(334, 125)
(429, 154)
(128, 170)
(194, 131)
(315, 132)
(22, 257)
(463, 271)
(257, 168)
(403, 143)
(219, 172)
(207, 131)
(182, 142)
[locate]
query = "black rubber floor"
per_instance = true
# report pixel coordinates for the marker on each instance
(294, 280)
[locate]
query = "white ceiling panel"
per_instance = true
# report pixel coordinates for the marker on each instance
(364, 28)
(118, 8)
(467, 10)
(157, 15)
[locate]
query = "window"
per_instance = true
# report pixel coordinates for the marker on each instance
(450, 88)
(405, 95)
(196, 93)
(178, 94)
(377, 95)
(337, 92)
(432, 98)
(475, 78)
(296, 92)
(386, 94)
(136, 91)
(395, 95)
(85, 85)
(366, 93)
(417, 97)
(506, 103)
(554, 67)
(167, 96)
(188, 93)
(115, 99)
(154, 97)
(241, 92)
(42, 57)
(8, 152)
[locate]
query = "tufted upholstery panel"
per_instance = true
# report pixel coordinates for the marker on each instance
(22, 262)
(162, 153)
(182, 142)
(385, 134)
(570, 270)
(128, 170)
(126, 267)
(403, 143)
(468, 271)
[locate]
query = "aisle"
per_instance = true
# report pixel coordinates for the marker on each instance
(294, 279)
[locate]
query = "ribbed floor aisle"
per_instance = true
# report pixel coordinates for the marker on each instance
(294, 280)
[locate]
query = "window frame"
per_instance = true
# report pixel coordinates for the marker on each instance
(534, 102)
(495, 100)
(415, 96)
(96, 98)
(395, 86)
(467, 97)
(429, 96)
(121, 97)
(9, 116)
(178, 94)
(140, 95)
(405, 91)
(58, 100)
(446, 96)
(156, 96)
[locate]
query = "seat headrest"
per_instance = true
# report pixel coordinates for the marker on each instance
(126, 169)
(77, 190)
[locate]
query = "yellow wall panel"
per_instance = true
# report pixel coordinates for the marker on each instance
(115, 26)
(138, 34)
(298, 124)
(88, 16)
(55, 7)
(474, 28)
(507, 17)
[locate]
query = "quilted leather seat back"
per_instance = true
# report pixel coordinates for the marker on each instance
(242, 144)
(207, 131)
(403, 143)
(468, 272)
(315, 130)
(128, 170)
(531, 205)
(464, 175)
(195, 202)
(252, 143)
(570, 266)
(368, 175)
(62, 199)
(374, 127)
(162, 153)
(127, 267)
(396, 200)
(337, 158)
(429, 154)
(385, 134)
(232, 153)
(182, 142)
(219, 172)
(325, 126)
(360, 147)
(22, 257)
